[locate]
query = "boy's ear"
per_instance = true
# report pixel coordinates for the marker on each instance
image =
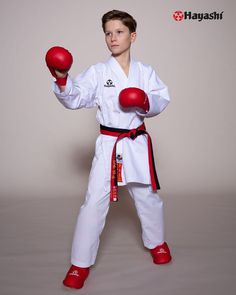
(133, 36)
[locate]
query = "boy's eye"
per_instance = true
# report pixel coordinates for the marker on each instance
(119, 32)
(107, 33)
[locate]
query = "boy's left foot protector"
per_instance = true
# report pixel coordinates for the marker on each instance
(76, 277)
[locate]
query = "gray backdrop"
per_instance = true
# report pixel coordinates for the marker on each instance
(46, 150)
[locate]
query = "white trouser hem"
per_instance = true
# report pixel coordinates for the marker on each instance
(152, 246)
(80, 263)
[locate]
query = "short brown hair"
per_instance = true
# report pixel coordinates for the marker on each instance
(123, 16)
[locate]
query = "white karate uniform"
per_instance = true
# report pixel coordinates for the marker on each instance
(99, 86)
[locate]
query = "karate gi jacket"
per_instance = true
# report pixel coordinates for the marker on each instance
(99, 86)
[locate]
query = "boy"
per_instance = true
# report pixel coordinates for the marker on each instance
(125, 92)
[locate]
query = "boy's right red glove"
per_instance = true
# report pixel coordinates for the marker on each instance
(59, 58)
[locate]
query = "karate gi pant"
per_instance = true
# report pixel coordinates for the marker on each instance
(91, 221)
(92, 216)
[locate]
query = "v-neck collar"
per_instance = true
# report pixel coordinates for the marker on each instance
(118, 69)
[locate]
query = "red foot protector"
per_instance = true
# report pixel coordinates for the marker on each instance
(75, 277)
(161, 254)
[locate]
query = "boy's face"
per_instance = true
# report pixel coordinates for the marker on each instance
(118, 37)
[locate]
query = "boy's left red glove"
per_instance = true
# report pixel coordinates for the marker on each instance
(134, 97)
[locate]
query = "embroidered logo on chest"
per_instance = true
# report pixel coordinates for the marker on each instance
(109, 83)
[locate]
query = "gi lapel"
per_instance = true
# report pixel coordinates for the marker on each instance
(118, 72)
(133, 78)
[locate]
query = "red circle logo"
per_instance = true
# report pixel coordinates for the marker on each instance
(178, 15)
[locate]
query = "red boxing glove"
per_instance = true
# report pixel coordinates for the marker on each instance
(134, 97)
(59, 58)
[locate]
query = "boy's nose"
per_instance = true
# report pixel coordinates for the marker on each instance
(113, 37)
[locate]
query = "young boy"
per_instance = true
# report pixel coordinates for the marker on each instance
(125, 92)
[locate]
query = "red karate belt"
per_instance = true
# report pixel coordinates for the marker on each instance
(132, 134)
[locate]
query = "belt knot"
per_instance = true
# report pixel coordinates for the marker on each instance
(133, 133)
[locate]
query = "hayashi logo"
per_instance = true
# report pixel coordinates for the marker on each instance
(179, 15)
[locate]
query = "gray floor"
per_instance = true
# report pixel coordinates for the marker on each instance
(36, 236)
